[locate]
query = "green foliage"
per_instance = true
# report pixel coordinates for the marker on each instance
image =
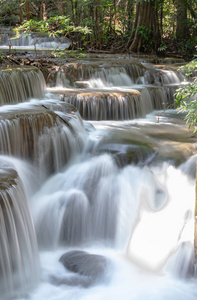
(69, 53)
(190, 69)
(30, 26)
(169, 19)
(101, 24)
(186, 98)
(187, 46)
(147, 36)
(53, 27)
(162, 47)
(145, 32)
(9, 12)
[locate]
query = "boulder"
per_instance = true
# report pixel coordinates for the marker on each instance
(91, 267)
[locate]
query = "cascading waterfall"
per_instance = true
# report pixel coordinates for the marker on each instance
(92, 213)
(121, 73)
(80, 215)
(156, 86)
(31, 40)
(19, 262)
(48, 134)
(122, 105)
(115, 218)
(17, 85)
(38, 134)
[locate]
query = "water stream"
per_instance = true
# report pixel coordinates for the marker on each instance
(97, 205)
(29, 41)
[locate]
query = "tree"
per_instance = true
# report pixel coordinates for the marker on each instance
(54, 26)
(145, 34)
(27, 8)
(134, 25)
(182, 23)
(130, 8)
(186, 97)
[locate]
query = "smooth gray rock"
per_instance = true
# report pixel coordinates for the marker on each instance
(91, 267)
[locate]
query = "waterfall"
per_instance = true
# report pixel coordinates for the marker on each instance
(20, 84)
(122, 105)
(111, 73)
(80, 212)
(98, 202)
(41, 42)
(37, 133)
(19, 265)
(98, 79)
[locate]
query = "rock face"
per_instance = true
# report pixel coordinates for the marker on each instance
(91, 266)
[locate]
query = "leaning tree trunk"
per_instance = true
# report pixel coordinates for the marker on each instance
(145, 35)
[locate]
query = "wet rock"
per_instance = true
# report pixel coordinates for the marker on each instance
(91, 267)
(125, 154)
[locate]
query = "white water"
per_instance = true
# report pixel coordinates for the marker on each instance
(30, 41)
(18, 247)
(153, 207)
(155, 88)
(140, 218)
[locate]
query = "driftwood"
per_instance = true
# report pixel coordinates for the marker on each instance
(12, 60)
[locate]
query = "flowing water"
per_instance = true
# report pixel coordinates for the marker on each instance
(98, 207)
(32, 40)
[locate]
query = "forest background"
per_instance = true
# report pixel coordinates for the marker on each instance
(146, 26)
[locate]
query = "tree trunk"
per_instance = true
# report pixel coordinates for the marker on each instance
(60, 6)
(193, 13)
(130, 7)
(182, 26)
(40, 11)
(44, 11)
(73, 11)
(161, 16)
(146, 34)
(27, 7)
(21, 12)
(77, 20)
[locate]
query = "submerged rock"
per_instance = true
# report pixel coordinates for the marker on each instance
(91, 267)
